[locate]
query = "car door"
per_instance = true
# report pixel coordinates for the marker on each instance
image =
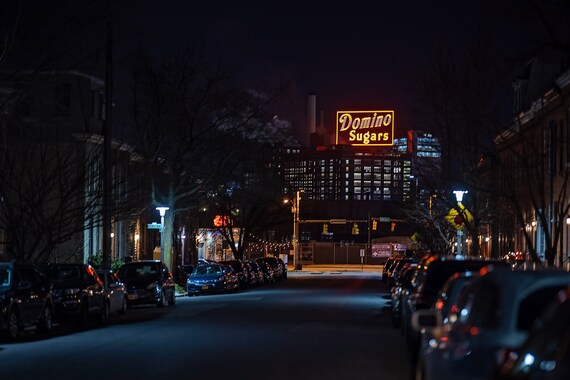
(29, 293)
(95, 289)
(116, 291)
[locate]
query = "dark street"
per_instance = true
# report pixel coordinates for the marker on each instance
(330, 325)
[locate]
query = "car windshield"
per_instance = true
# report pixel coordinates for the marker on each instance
(57, 273)
(5, 277)
(137, 271)
(203, 270)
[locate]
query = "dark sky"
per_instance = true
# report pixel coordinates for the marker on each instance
(354, 55)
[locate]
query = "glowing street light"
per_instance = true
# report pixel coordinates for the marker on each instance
(459, 197)
(162, 211)
(295, 209)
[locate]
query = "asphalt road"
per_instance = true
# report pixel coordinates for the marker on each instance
(318, 324)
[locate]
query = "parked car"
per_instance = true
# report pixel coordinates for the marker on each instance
(494, 315)
(78, 293)
(279, 270)
(268, 272)
(396, 270)
(386, 267)
(212, 278)
(254, 275)
(239, 270)
(284, 266)
(148, 282)
(445, 308)
(25, 299)
(389, 268)
(402, 285)
(545, 355)
(115, 291)
(432, 273)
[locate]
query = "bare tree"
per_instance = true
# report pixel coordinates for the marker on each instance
(459, 100)
(43, 202)
(188, 119)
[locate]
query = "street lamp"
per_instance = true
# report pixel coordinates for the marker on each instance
(567, 239)
(162, 211)
(295, 209)
(459, 197)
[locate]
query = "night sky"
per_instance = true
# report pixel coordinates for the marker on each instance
(355, 55)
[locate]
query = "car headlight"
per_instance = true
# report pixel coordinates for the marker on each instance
(71, 291)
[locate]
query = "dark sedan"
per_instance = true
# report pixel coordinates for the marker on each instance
(277, 265)
(148, 282)
(211, 278)
(25, 299)
(78, 292)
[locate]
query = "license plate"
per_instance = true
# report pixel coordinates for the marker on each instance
(204, 287)
(132, 296)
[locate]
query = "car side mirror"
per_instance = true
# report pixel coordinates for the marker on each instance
(426, 319)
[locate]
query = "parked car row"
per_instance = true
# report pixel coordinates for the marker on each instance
(232, 275)
(37, 296)
(472, 318)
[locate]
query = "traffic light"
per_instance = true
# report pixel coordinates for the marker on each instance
(392, 226)
(355, 230)
(325, 228)
(374, 224)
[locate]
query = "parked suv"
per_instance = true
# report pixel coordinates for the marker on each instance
(25, 299)
(278, 266)
(429, 278)
(493, 316)
(239, 270)
(78, 293)
(148, 282)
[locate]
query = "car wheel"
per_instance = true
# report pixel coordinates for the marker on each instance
(124, 307)
(13, 325)
(172, 299)
(46, 321)
(161, 300)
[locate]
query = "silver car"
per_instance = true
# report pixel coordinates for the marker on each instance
(115, 291)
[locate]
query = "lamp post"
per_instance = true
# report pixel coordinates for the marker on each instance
(162, 211)
(296, 210)
(459, 237)
(567, 241)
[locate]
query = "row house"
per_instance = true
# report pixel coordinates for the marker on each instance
(534, 155)
(52, 147)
